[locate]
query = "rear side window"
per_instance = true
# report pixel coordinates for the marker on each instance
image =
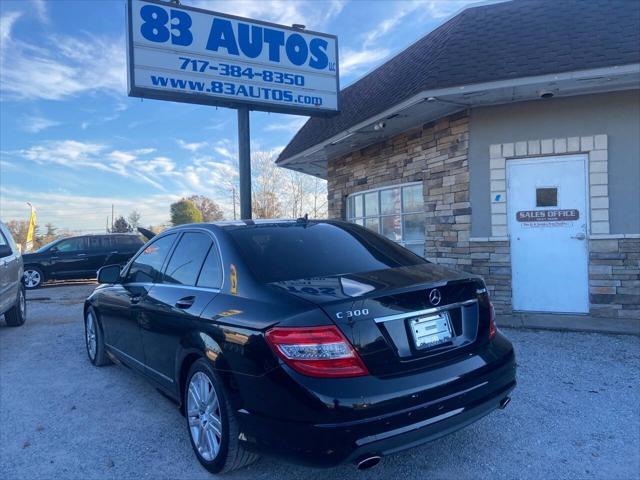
(147, 266)
(97, 244)
(127, 241)
(71, 245)
(211, 274)
(187, 259)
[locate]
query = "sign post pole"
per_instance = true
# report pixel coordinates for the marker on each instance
(244, 162)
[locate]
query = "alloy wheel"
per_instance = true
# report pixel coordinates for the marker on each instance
(32, 278)
(91, 336)
(203, 409)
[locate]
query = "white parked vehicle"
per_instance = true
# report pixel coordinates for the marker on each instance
(13, 303)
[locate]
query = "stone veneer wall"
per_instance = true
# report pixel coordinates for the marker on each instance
(435, 154)
(614, 276)
(492, 260)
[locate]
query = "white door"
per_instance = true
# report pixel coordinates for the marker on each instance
(547, 220)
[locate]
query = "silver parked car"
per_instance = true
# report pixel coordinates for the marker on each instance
(13, 303)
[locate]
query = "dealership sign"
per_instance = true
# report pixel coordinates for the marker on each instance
(569, 215)
(186, 54)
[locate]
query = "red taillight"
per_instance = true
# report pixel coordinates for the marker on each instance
(316, 351)
(492, 322)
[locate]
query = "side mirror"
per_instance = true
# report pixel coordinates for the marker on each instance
(5, 251)
(53, 250)
(109, 274)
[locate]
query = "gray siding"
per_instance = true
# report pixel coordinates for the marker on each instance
(615, 114)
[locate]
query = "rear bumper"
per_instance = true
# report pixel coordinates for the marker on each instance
(402, 418)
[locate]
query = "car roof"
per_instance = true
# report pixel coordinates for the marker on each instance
(238, 224)
(99, 235)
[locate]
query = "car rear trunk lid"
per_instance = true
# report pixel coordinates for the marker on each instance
(377, 310)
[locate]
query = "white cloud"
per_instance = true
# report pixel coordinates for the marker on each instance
(66, 152)
(83, 213)
(286, 12)
(77, 155)
(122, 157)
(192, 147)
(61, 67)
(41, 11)
(6, 24)
(225, 152)
(439, 10)
(37, 124)
(290, 126)
(353, 61)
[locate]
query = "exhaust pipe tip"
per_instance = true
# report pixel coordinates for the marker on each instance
(368, 462)
(504, 402)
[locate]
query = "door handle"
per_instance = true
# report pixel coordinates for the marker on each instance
(185, 302)
(579, 236)
(81, 255)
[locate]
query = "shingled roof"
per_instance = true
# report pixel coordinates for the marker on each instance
(500, 41)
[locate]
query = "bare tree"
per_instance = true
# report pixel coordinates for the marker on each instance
(266, 185)
(278, 192)
(134, 219)
(305, 194)
(210, 210)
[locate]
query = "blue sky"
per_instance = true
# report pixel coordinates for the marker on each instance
(72, 142)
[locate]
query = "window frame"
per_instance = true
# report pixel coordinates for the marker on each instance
(172, 252)
(402, 213)
(125, 273)
(219, 255)
(84, 244)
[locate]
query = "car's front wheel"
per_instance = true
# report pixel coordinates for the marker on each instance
(94, 339)
(212, 427)
(33, 278)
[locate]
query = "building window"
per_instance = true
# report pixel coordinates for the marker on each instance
(546, 197)
(395, 212)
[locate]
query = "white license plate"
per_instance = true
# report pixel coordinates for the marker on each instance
(431, 330)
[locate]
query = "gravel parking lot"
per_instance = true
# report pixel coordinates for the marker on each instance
(575, 413)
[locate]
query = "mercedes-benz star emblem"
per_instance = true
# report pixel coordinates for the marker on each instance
(435, 296)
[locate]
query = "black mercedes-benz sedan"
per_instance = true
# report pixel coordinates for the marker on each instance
(319, 341)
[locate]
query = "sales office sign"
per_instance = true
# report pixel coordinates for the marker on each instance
(186, 54)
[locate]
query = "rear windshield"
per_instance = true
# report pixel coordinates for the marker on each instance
(293, 251)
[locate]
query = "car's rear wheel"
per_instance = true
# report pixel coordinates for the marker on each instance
(213, 430)
(33, 278)
(18, 313)
(94, 339)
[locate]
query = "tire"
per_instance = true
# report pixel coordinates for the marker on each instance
(33, 278)
(17, 315)
(94, 339)
(216, 419)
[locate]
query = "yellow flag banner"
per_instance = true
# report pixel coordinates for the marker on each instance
(32, 229)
